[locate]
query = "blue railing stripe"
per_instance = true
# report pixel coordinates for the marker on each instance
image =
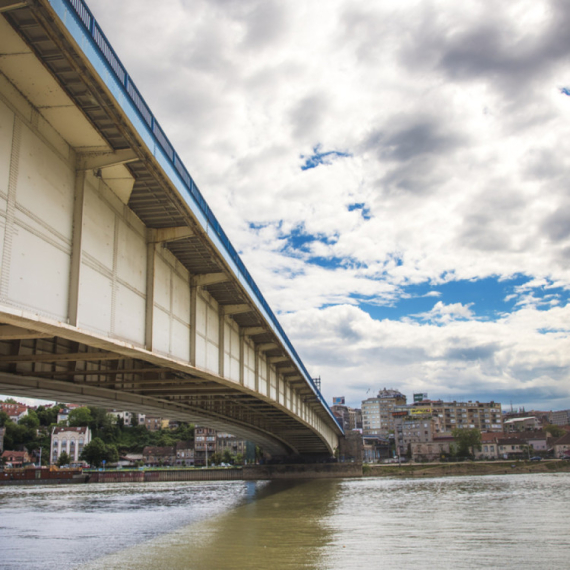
(86, 18)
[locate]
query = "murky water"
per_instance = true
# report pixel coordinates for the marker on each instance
(510, 521)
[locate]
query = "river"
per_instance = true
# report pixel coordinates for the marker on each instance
(499, 522)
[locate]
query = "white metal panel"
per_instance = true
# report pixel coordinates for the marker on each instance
(181, 298)
(213, 321)
(234, 369)
(212, 357)
(272, 385)
(39, 274)
(98, 226)
(180, 340)
(200, 316)
(129, 315)
(131, 257)
(161, 282)
(95, 300)
(45, 185)
(161, 331)
(200, 351)
(227, 366)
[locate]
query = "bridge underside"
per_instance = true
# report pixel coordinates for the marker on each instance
(126, 299)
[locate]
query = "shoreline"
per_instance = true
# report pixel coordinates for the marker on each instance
(412, 470)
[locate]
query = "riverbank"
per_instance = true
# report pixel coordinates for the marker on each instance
(466, 468)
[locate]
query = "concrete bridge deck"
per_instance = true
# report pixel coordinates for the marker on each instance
(118, 286)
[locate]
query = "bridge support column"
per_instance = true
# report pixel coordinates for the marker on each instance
(150, 269)
(241, 358)
(76, 247)
(221, 340)
(193, 322)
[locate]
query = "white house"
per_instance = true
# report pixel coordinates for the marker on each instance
(70, 440)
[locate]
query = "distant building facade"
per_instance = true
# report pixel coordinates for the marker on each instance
(204, 445)
(377, 416)
(70, 440)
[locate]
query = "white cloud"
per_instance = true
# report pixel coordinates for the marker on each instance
(460, 152)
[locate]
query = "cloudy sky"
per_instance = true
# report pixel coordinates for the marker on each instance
(394, 174)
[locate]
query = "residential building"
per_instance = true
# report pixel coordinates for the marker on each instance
(562, 447)
(185, 453)
(354, 418)
(489, 446)
(129, 419)
(484, 416)
(512, 448)
(423, 451)
(204, 445)
(15, 458)
(70, 440)
(414, 428)
(530, 423)
(15, 411)
(153, 423)
(228, 442)
(154, 456)
(561, 418)
(377, 412)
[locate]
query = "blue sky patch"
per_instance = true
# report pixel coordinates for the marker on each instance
(488, 298)
(364, 209)
(318, 157)
(565, 91)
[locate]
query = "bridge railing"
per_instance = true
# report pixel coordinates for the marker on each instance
(86, 19)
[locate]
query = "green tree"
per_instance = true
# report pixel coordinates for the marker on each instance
(63, 459)
(30, 420)
(80, 417)
(95, 452)
(227, 456)
(4, 419)
(554, 430)
(238, 459)
(48, 415)
(467, 440)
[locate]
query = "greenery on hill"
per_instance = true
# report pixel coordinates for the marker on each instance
(113, 437)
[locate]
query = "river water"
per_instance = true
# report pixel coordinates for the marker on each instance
(499, 522)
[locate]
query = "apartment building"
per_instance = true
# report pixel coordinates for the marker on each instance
(414, 428)
(484, 416)
(377, 412)
(204, 445)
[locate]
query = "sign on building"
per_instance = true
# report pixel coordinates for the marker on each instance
(420, 397)
(339, 401)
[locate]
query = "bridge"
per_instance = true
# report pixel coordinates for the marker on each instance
(118, 286)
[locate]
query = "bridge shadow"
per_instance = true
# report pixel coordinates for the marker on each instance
(280, 525)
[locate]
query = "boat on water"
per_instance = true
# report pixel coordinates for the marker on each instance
(32, 475)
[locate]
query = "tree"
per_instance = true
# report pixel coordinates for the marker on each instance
(4, 419)
(80, 417)
(467, 440)
(227, 456)
(30, 420)
(63, 459)
(554, 430)
(97, 451)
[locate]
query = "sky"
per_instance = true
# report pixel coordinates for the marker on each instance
(394, 175)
